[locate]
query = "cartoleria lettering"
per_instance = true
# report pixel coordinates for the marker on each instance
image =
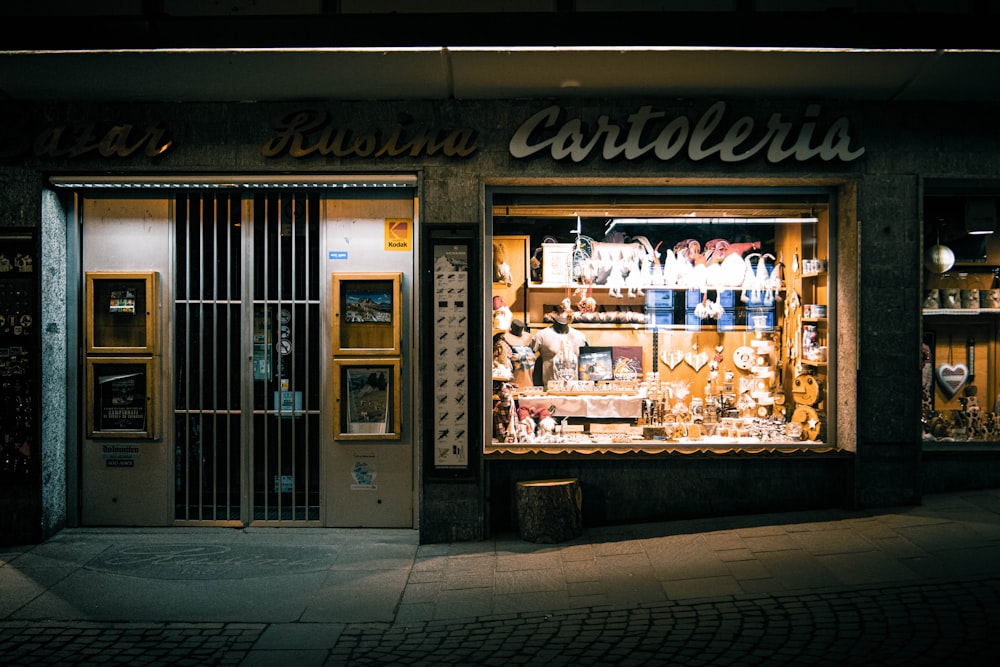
(649, 131)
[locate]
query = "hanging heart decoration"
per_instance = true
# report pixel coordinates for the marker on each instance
(672, 358)
(951, 377)
(696, 360)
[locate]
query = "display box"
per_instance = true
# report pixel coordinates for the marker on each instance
(367, 400)
(121, 312)
(367, 315)
(121, 398)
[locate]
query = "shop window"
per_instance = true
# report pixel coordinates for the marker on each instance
(661, 322)
(961, 315)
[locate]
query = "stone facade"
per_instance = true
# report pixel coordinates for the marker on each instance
(881, 232)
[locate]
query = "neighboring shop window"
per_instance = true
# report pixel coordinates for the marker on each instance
(661, 321)
(961, 395)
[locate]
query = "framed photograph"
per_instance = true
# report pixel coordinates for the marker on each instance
(121, 315)
(367, 317)
(367, 403)
(596, 363)
(121, 398)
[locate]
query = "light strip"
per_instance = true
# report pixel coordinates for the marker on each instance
(236, 181)
(692, 220)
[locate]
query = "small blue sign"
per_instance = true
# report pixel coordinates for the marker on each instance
(338, 254)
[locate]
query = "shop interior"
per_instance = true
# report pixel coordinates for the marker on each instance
(649, 322)
(961, 307)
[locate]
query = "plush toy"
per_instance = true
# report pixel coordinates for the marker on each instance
(546, 422)
(502, 314)
(501, 269)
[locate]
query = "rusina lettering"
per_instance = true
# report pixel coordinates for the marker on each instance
(649, 131)
(308, 131)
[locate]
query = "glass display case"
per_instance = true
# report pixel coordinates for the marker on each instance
(961, 319)
(667, 323)
(19, 359)
(121, 322)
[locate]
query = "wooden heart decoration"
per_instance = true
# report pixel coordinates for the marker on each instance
(951, 377)
(696, 361)
(672, 358)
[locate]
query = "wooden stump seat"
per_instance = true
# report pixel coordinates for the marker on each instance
(549, 510)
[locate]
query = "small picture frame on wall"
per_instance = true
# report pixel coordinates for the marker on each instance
(121, 315)
(367, 403)
(367, 317)
(121, 398)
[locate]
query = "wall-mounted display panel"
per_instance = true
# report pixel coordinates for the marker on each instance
(121, 312)
(122, 395)
(367, 403)
(367, 316)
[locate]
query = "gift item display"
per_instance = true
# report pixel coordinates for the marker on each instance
(692, 333)
(961, 315)
(19, 451)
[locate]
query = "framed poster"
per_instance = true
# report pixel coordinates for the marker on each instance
(121, 312)
(596, 363)
(367, 403)
(367, 317)
(121, 398)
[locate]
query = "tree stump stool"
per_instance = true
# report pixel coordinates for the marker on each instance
(549, 511)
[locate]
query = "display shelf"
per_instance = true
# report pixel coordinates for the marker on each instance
(603, 289)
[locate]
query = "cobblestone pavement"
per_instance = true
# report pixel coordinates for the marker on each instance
(939, 623)
(81, 643)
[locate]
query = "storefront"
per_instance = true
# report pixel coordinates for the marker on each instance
(692, 307)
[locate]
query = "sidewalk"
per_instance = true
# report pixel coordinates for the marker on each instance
(908, 585)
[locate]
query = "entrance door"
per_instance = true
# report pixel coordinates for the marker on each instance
(254, 440)
(247, 357)
(244, 364)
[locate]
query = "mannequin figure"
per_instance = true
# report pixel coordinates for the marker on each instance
(514, 346)
(558, 340)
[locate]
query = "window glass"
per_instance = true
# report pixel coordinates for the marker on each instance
(651, 322)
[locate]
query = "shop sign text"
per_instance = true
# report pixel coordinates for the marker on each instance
(307, 131)
(650, 131)
(78, 140)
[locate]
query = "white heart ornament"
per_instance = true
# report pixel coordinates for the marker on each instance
(951, 377)
(672, 358)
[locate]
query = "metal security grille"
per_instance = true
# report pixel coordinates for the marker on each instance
(246, 332)
(286, 342)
